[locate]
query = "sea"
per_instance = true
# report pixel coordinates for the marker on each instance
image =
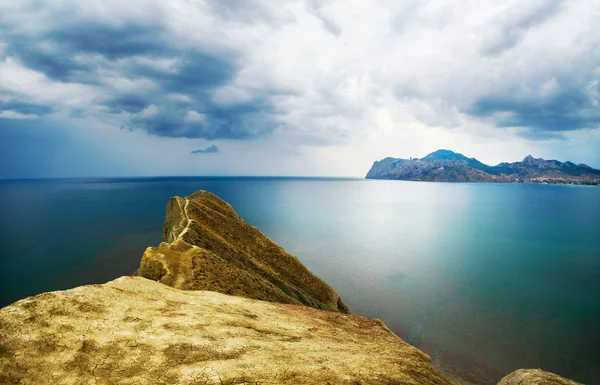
(485, 278)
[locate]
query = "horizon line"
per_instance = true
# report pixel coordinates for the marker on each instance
(66, 178)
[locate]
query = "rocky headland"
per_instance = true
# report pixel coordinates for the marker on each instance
(217, 302)
(207, 246)
(449, 166)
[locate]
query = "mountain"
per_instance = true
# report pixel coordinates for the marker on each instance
(447, 155)
(449, 166)
(181, 325)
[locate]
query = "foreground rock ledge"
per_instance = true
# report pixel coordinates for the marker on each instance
(137, 331)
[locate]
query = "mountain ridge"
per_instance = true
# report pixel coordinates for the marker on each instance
(206, 245)
(449, 166)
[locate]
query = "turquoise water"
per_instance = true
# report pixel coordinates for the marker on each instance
(485, 278)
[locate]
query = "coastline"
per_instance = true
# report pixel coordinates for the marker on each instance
(187, 231)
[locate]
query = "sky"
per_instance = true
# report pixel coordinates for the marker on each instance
(292, 87)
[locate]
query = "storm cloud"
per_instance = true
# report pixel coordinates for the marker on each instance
(568, 109)
(140, 70)
(302, 73)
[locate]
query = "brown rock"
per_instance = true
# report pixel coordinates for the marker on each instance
(535, 377)
(136, 331)
(207, 246)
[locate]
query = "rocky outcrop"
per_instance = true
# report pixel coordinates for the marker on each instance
(137, 331)
(448, 166)
(207, 246)
(535, 377)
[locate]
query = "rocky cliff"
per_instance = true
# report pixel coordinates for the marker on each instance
(535, 377)
(448, 166)
(135, 330)
(207, 246)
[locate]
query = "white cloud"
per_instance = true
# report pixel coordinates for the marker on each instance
(179, 97)
(161, 64)
(147, 113)
(9, 114)
(194, 116)
(231, 95)
(35, 87)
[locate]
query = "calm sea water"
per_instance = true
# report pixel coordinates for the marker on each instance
(485, 278)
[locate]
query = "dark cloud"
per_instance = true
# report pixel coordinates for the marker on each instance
(59, 67)
(242, 121)
(513, 27)
(102, 55)
(59, 51)
(25, 108)
(194, 73)
(129, 102)
(113, 41)
(569, 109)
(149, 68)
(315, 7)
(329, 25)
(209, 150)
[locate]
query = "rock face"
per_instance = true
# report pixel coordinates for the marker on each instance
(535, 377)
(207, 246)
(448, 166)
(137, 331)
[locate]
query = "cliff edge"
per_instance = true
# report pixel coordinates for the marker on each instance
(207, 246)
(137, 331)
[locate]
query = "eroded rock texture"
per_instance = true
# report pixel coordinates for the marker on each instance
(137, 331)
(535, 377)
(207, 246)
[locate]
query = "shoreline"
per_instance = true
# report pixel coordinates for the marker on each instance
(186, 233)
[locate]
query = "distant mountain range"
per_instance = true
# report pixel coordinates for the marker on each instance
(449, 166)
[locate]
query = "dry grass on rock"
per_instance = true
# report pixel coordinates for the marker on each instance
(136, 331)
